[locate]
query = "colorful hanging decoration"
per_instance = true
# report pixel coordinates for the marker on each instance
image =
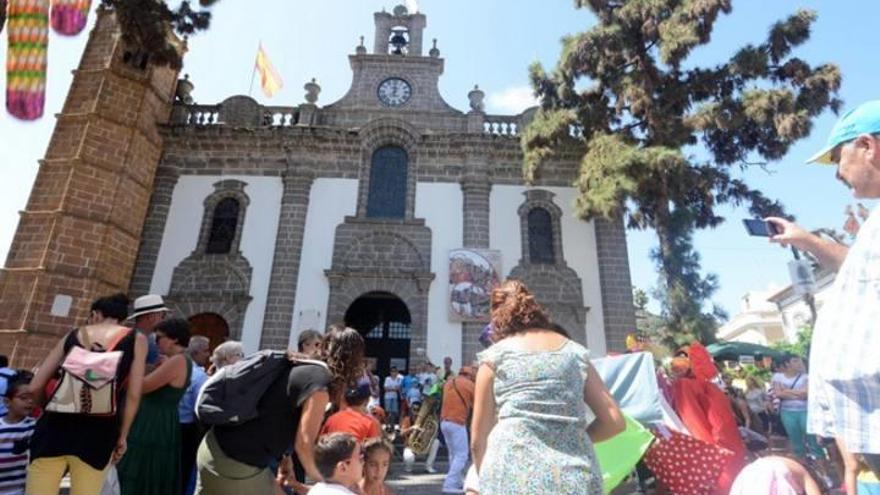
(2, 14)
(69, 16)
(26, 58)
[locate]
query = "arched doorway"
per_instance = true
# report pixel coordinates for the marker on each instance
(384, 321)
(210, 325)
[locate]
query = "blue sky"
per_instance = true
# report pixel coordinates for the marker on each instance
(491, 43)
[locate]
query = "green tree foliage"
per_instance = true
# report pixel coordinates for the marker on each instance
(146, 25)
(648, 324)
(640, 299)
(800, 346)
(624, 89)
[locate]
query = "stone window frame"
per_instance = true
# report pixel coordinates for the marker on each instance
(380, 134)
(224, 189)
(541, 198)
(380, 208)
(536, 217)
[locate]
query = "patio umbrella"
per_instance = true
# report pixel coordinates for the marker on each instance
(731, 351)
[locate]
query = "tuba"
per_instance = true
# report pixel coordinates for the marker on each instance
(425, 427)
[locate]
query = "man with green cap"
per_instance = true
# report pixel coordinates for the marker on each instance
(844, 385)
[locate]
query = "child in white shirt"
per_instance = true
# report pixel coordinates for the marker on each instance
(340, 460)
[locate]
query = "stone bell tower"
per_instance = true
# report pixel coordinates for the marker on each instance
(397, 29)
(78, 236)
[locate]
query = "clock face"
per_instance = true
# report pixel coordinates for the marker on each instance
(394, 92)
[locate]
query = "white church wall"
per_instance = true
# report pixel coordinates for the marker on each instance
(330, 200)
(257, 238)
(440, 204)
(578, 248)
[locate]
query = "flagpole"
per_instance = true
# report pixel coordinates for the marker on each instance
(254, 70)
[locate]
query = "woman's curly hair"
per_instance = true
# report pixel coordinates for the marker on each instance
(515, 310)
(343, 351)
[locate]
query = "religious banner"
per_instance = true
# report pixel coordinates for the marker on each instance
(473, 273)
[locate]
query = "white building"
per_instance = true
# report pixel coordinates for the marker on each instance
(794, 311)
(775, 315)
(758, 321)
(388, 210)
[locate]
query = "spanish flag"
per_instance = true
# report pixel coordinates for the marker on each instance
(270, 79)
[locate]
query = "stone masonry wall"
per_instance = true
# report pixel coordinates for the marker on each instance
(476, 161)
(78, 236)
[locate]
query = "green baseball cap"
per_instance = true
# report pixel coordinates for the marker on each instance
(864, 119)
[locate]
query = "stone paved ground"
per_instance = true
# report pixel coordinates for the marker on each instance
(417, 483)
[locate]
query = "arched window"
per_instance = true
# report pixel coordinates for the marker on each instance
(223, 224)
(540, 236)
(387, 194)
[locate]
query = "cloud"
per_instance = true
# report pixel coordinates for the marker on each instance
(511, 100)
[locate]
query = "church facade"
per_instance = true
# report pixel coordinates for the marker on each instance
(388, 210)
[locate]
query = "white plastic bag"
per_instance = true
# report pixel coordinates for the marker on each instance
(111, 483)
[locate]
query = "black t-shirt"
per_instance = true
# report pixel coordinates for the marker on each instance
(267, 437)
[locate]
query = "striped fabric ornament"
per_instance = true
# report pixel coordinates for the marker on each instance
(28, 34)
(2, 14)
(69, 16)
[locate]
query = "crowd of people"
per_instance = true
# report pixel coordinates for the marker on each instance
(136, 430)
(529, 412)
(117, 404)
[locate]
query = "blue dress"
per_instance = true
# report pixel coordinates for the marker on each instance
(540, 443)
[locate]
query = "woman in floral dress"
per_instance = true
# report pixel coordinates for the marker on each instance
(544, 392)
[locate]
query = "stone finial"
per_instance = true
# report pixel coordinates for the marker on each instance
(434, 51)
(184, 90)
(312, 90)
(400, 11)
(476, 97)
(361, 49)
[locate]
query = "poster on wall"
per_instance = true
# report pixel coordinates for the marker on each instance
(473, 273)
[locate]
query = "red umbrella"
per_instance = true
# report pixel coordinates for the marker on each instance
(684, 464)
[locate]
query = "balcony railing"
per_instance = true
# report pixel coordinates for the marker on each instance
(501, 125)
(236, 114)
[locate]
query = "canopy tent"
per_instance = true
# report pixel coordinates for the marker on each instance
(731, 351)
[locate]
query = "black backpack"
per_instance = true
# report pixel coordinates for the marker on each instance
(230, 397)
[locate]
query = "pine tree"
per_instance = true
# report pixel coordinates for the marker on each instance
(145, 25)
(623, 89)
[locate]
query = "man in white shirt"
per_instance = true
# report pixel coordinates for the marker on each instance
(844, 386)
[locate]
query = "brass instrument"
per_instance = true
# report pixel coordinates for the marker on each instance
(425, 427)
